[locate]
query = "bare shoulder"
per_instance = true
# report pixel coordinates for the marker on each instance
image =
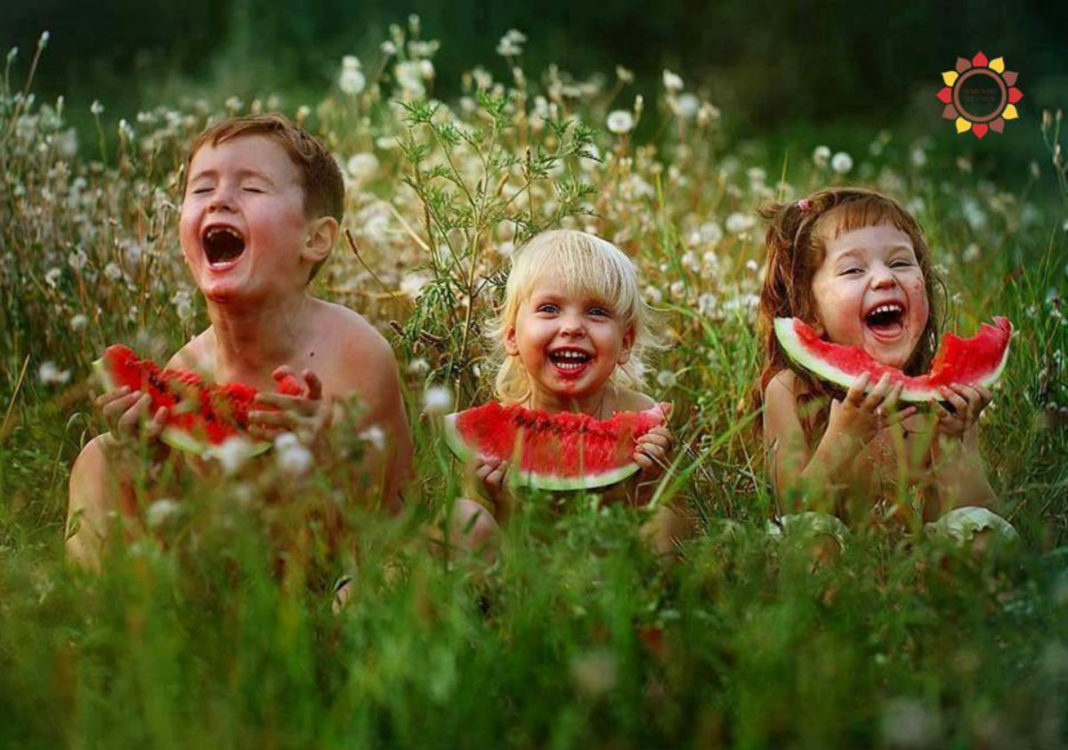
(785, 383)
(628, 400)
(355, 357)
(351, 336)
(198, 354)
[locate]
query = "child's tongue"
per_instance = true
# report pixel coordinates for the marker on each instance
(886, 328)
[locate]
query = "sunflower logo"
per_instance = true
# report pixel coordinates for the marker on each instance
(980, 95)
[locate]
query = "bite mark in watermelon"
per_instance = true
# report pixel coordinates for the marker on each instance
(562, 451)
(199, 415)
(979, 360)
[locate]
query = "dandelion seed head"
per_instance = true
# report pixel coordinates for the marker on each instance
(821, 156)
(49, 374)
(78, 322)
(666, 379)
(738, 222)
(437, 399)
(841, 162)
(620, 122)
(160, 512)
(96, 108)
(672, 81)
(52, 276)
(374, 435)
(232, 454)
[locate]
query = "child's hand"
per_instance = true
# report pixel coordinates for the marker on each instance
(492, 474)
(126, 413)
(306, 415)
(862, 417)
(968, 403)
(653, 449)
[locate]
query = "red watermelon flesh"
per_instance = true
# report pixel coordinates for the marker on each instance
(561, 451)
(979, 360)
(200, 415)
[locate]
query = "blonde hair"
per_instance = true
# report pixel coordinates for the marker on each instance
(587, 265)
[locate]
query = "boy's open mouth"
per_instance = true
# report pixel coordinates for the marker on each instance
(887, 319)
(222, 245)
(570, 360)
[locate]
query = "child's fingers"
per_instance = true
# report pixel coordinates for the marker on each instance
(130, 421)
(155, 428)
(270, 418)
(315, 386)
(107, 397)
(664, 441)
(954, 398)
(643, 461)
(855, 394)
(986, 394)
(878, 393)
(116, 407)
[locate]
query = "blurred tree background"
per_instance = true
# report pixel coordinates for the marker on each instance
(772, 67)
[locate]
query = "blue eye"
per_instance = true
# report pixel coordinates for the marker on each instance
(547, 308)
(599, 311)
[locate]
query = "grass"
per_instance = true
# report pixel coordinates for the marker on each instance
(578, 636)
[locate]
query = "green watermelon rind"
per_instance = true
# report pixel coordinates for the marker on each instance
(796, 350)
(537, 480)
(175, 437)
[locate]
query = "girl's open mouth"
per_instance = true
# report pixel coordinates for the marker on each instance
(223, 245)
(886, 320)
(570, 361)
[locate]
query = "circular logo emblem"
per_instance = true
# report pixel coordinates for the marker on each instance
(980, 95)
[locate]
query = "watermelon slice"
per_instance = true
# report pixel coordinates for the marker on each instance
(975, 361)
(200, 415)
(562, 451)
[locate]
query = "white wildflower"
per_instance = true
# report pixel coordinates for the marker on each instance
(710, 261)
(506, 248)
(620, 121)
(234, 453)
(374, 435)
(352, 80)
(362, 167)
(49, 374)
(511, 43)
(78, 322)
(752, 266)
(409, 75)
(738, 222)
(303, 111)
(973, 213)
(183, 304)
(653, 295)
(908, 723)
(595, 673)
(841, 162)
(666, 379)
(706, 304)
(96, 108)
(624, 75)
(711, 232)
(687, 106)
(52, 276)
(418, 366)
(437, 399)
(388, 48)
(672, 81)
(707, 113)
(678, 289)
(971, 253)
(77, 260)
(690, 262)
(918, 157)
(821, 156)
(158, 513)
(291, 456)
(112, 271)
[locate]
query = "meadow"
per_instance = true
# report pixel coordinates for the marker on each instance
(578, 635)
